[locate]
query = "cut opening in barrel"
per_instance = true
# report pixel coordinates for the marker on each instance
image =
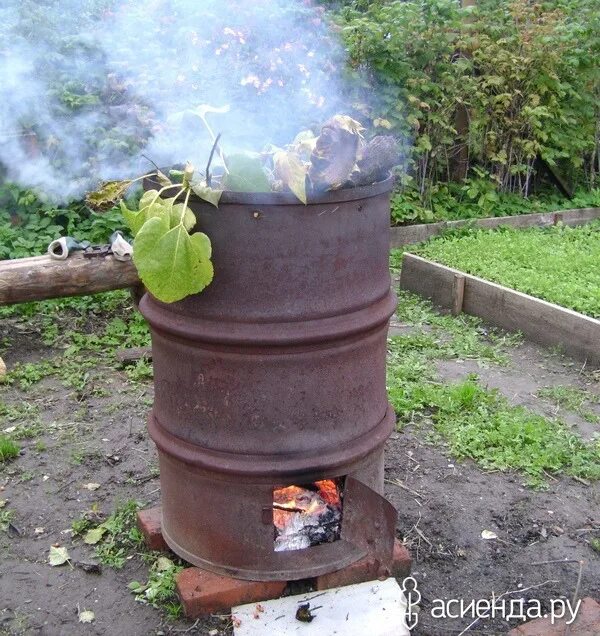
(307, 515)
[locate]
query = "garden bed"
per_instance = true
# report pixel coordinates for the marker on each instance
(541, 321)
(411, 234)
(542, 282)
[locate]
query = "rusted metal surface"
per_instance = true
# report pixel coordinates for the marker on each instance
(369, 522)
(274, 375)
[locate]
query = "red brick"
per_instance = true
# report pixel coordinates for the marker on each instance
(202, 592)
(366, 569)
(148, 522)
(587, 623)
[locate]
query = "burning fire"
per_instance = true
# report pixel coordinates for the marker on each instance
(306, 515)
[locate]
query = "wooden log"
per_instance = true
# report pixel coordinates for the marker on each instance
(42, 277)
(539, 320)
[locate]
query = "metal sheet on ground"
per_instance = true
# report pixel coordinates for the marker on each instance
(376, 608)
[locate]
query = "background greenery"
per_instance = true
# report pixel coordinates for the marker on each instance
(523, 75)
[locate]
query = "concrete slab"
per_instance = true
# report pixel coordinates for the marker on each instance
(376, 608)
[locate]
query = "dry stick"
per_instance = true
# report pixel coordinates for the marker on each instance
(210, 158)
(152, 162)
(577, 586)
(286, 508)
(212, 134)
(401, 484)
(575, 594)
(523, 589)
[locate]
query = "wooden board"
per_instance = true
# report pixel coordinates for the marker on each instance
(42, 277)
(411, 234)
(540, 321)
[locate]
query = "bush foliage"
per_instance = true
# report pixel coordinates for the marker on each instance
(524, 75)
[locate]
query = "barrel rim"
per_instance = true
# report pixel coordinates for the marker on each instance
(288, 198)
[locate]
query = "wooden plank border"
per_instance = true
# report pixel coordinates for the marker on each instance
(410, 234)
(540, 321)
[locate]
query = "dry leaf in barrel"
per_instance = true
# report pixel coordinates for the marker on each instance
(304, 143)
(334, 157)
(292, 171)
(107, 195)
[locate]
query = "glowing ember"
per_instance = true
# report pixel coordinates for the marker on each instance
(304, 516)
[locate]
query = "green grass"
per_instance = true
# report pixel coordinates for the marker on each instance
(471, 420)
(80, 328)
(559, 264)
(8, 449)
(481, 424)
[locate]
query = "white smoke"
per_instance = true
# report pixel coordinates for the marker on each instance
(89, 86)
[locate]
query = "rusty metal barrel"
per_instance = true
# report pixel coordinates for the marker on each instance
(273, 375)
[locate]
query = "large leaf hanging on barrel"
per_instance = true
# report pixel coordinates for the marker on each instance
(172, 263)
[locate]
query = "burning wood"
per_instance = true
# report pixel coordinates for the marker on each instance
(305, 516)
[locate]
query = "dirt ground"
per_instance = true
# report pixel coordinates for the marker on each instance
(96, 434)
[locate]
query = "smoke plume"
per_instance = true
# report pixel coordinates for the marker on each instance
(87, 87)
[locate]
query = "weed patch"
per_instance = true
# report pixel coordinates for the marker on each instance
(473, 421)
(6, 517)
(159, 590)
(481, 424)
(8, 449)
(571, 399)
(118, 536)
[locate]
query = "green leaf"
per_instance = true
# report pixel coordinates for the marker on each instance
(292, 171)
(163, 564)
(171, 263)
(246, 174)
(151, 205)
(206, 193)
(177, 215)
(137, 587)
(134, 218)
(94, 535)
